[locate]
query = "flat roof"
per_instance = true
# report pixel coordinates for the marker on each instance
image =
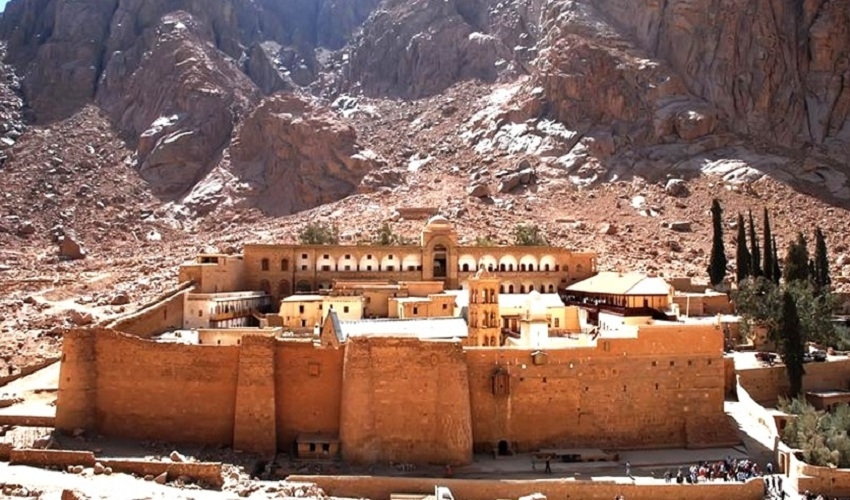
(422, 328)
(510, 300)
(303, 298)
(226, 295)
(611, 283)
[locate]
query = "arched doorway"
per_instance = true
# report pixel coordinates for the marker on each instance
(503, 448)
(440, 261)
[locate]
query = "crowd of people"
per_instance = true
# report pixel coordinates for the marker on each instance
(729, 469)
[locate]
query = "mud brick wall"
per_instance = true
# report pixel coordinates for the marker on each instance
(623, 393)
(380, 488)
(405, 400)
(168, 392)
(208, 472)
(308, 390)
(254, 426)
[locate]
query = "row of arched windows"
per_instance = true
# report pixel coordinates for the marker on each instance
(525, 268)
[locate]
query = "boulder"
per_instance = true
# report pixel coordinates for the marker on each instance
(161, 479)
(120, 299)
(175, 456)
(680, 226)
(70, 249)
(80, 318)
(478, 191)
(510, 182)
(607, 229)
(26, 229)
(98, 468)
(677, 187)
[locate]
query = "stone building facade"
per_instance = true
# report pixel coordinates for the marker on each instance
(282, 270)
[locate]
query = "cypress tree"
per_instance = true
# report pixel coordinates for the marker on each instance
(821, 274)
(792, 344)
(797, 260)
(717, 265)
(767, 265)
(755, 255)
(777, 271)
(742, 253)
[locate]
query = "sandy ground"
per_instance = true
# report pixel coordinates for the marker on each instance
(38, 392)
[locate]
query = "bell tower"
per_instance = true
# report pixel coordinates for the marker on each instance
(484, 321)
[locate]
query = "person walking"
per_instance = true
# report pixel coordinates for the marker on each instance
(548, 465)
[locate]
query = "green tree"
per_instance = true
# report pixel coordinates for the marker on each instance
(484, 241)
(821, 277)
(529, 236)
(317, 233)
(717, 264)
(777, 271)
(755, 255)
(797, 260)
(385, 235)
(767, 265)
(742, 253)
(792, 344)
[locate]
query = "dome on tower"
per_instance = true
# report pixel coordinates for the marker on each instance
(438, 222)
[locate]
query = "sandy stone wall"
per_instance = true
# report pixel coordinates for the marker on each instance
(623, 393)
(254, 426)
(51, 458)
(380, 488)
(405, 400)
(308, 390)
(154, 318)
(766, 384)
(170, 392)
(208, 472)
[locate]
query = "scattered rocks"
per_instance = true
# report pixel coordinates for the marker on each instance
(98, 468)
(161, 479)
(26, 229)
(680, 226)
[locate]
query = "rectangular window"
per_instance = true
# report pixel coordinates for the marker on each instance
(303, 323)
(415, 310)
(326, 256)
(303, 255)
(347, 257)
(368, 268)
(445, 306)
(301, 309)
(390, 257)
(557, 322)
(369, 257)
(326, 268)
(303, 268)
(326, 448)
(345, 309)
(348, 268)
(390, 268)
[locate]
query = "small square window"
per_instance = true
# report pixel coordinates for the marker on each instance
(303, 268)
(348, 268)
(368, 268)
(415, 310)
(672, 363)
(301, 309)
(345, 309)
(326, 256)
(303, 323)
(303, 255)
(347, 257)
(445, 306)
(369, 256)
(390, 257)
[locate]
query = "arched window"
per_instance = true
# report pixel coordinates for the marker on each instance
(492, 295)
(551, 288)
(502, 267)
(284, 264)
(522, 267)
(546, 267)
(511, 289)
(264, 264)
(522, 289)
(493, 341)
(501, 288)
(465, 268)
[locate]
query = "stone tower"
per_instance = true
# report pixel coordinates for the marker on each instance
(485, 323)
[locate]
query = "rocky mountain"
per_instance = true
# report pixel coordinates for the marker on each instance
(146, 130)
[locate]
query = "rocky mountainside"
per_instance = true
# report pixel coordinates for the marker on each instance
(146, 130)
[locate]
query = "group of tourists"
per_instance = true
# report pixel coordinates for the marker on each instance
(730, 469)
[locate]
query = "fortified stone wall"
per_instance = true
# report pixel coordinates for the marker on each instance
(405, 400)
(308, 391)
(766, 384)
(380, 488)
(623, 393)
(170, 392)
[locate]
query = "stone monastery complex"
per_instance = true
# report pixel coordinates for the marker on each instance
(426, 354)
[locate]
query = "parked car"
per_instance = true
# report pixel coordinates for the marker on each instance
(819, 356)
(807, 357)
